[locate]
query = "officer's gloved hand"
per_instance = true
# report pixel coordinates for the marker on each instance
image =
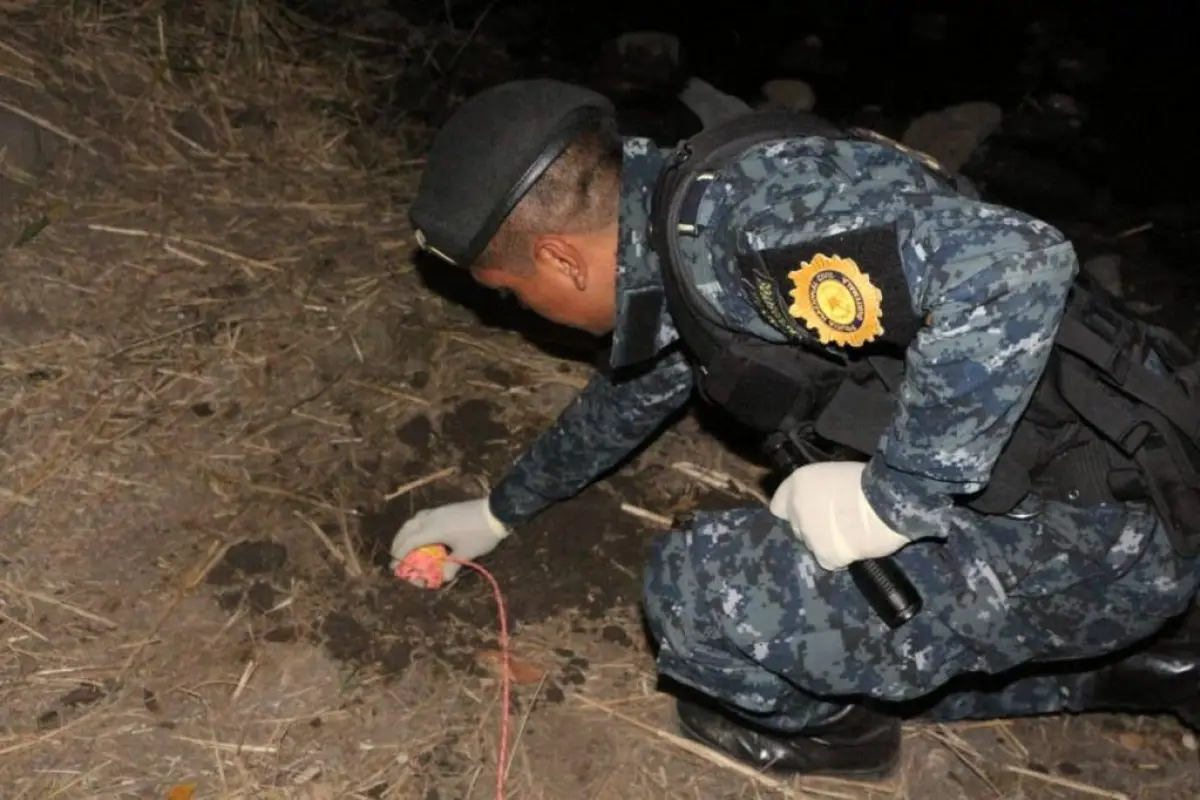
(826, 507)
(468, 529)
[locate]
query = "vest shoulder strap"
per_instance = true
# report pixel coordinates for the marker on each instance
(712, 147)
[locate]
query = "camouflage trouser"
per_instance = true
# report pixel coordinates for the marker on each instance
(743, 613)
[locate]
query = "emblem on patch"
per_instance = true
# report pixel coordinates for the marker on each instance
(837, 300)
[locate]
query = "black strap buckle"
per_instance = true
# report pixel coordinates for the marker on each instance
(794, 447)
(1125, 337)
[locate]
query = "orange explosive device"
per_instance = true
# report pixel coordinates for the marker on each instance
(423, 566)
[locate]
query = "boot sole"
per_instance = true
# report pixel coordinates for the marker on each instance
(879, 773)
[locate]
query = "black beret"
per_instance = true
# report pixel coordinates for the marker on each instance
(488, 155)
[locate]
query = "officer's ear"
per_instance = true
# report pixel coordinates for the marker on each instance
(559, 259)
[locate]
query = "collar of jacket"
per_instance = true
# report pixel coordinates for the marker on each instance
(642, 328)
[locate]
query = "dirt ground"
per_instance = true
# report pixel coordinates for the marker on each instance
(225, 382)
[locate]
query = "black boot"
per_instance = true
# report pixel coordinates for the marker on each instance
(857, 743)
(1159, 677)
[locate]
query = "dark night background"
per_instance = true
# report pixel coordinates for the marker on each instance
(1097, 135)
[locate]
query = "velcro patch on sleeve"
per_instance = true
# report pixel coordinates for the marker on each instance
(847, 290)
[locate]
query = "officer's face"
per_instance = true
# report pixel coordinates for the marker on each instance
(572, 281)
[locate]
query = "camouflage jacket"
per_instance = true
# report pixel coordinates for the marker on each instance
(992, 282)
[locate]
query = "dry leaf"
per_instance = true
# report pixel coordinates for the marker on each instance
(183, 791)
(520, 672)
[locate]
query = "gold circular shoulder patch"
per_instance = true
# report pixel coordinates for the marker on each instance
(833, 297)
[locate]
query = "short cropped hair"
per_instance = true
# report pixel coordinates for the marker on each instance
(578, 193)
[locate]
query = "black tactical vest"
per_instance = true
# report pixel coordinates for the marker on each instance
(1100, 427)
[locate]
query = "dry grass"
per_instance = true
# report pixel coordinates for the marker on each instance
(209, 324)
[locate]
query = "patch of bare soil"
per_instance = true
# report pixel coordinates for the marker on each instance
(224, 384)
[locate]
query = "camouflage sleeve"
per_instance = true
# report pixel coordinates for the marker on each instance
(601, 427)
(994, 283)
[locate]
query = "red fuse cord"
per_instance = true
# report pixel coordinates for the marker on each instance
(423, 567)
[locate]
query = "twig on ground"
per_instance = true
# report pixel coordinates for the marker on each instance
(660, 520)
(1066, 783)
(5, 586)
(418, 483)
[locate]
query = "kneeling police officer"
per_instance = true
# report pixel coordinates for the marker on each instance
(989, 466)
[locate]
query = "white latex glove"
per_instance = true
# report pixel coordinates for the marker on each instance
(827, 509)
(468, 529)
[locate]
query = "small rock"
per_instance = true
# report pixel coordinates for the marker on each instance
(791, 94)
(953, 134)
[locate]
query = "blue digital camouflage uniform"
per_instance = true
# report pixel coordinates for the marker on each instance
(737, 603)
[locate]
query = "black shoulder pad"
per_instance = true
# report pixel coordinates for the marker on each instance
(847, 290)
